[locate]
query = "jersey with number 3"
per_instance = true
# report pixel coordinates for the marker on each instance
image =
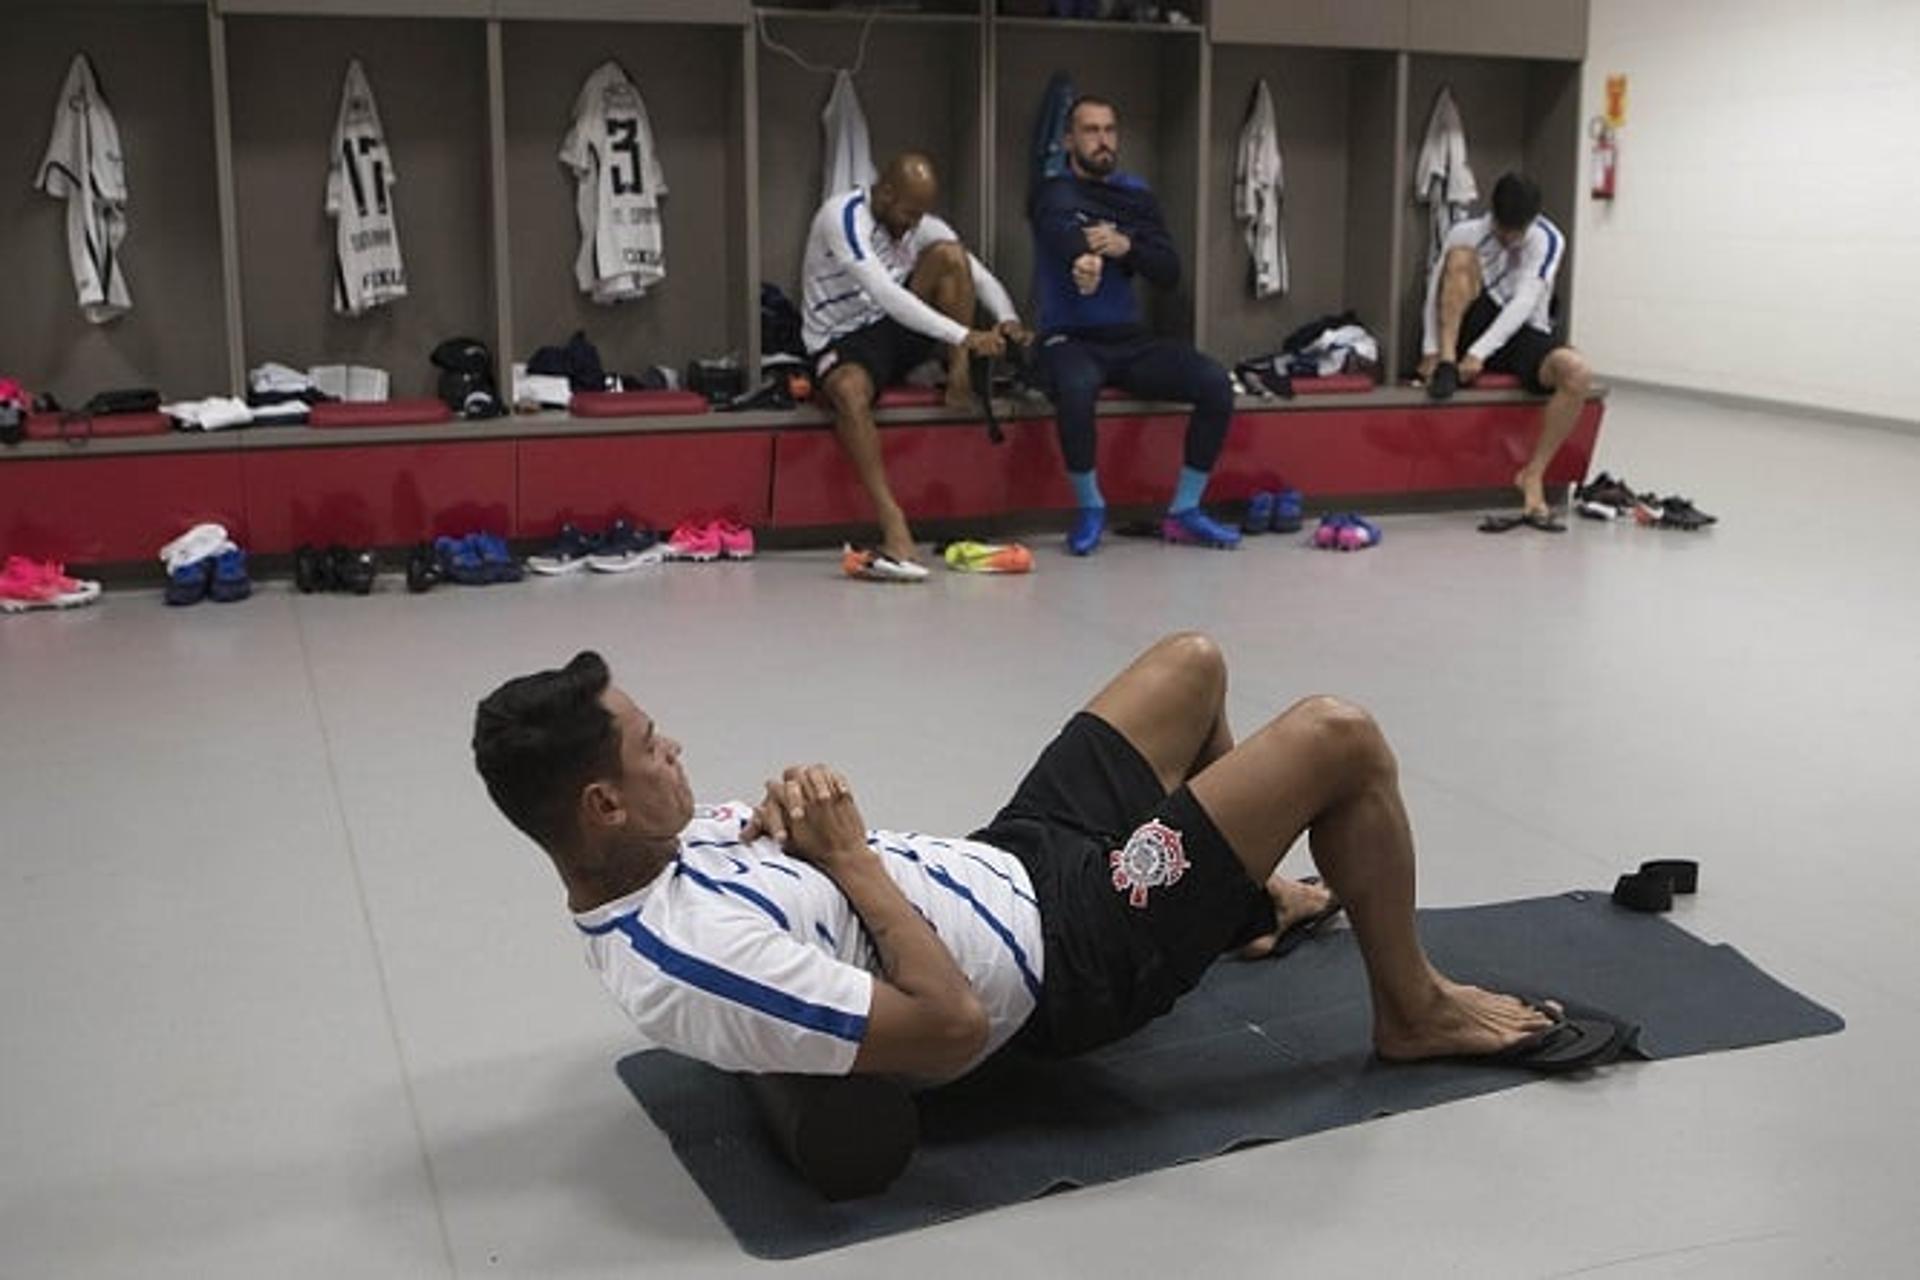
(367, 270)
(611, 154)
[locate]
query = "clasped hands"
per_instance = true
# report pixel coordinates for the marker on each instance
(809, 809)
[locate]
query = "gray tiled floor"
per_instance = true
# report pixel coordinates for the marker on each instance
(282, 996)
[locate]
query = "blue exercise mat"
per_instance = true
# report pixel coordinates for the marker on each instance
(1259, 1052)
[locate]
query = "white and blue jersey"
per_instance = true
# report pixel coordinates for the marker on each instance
(743, 957)
(1519, 278)
(856, 270)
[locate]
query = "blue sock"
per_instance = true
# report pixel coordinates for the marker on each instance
(1186, 494)
(1086, 488)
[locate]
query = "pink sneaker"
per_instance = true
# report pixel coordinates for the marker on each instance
(30, 584)
(693, 540)
(736, 540)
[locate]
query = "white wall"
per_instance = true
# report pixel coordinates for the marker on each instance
(1766, 236)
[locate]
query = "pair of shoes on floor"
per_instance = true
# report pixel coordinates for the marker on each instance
(1346, 531)
(1674, 512)
(222, 578)
(476, 560)
(337, 568)
(1607, 497)
(870, 564)
(968, 556)
(708, 540)
(1195, 528)
(620, 549)
(1273, 511)
(42, 584)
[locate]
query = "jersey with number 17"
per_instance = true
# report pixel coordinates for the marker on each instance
(610, 151)
(367, 268)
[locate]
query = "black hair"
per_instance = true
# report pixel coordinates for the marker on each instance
(1089, 100)
(1516, 201)
(538, 739)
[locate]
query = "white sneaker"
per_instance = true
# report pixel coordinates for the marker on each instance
(878, 566)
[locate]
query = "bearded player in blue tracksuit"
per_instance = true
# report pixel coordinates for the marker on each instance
(1094, 230)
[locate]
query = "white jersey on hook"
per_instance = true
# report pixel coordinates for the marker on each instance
(367, 271)
(1259, 186)
(1442, 178)
(619, 182)
(849, 161)
(84, 167)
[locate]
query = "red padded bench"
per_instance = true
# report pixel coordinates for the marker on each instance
(58, 426)
(636, 404)
(381, 413)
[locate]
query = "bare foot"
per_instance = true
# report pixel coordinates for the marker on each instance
(959, 393)
(1533, 493)
(1455, 1019)
(1292, 902)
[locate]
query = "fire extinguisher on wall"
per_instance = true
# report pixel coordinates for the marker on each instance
(1604, 158)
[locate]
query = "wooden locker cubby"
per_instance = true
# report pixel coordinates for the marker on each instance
(429, 79)
(689, 77)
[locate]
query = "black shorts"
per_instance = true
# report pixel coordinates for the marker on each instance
(886, 349)
(1139, 893)
(1524, 353)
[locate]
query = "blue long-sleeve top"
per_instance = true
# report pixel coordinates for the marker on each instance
(1063, 208)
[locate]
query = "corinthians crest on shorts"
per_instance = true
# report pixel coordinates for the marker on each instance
(1153, 858)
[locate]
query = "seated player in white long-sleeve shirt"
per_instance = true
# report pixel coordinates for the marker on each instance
(886, 284)
(1489, 306)
(1141, 845)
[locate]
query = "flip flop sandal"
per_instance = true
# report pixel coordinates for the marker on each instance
(1302, 930)
(1501, 524)
(1544, 521)
(1573, 1042)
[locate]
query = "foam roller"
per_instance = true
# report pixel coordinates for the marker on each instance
(847, 1136)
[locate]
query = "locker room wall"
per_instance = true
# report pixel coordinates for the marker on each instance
(1311, 92)
(689, 77)
(1762, 242)
(1153, 78)
(175, 336)
(1496, 97)
(429, 80)
(919, 89)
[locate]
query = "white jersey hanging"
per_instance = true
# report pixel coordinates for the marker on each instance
(367, 271)
(616, 167)
(84, 167)
(1259, 187)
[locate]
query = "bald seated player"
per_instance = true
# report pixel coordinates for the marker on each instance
(887, 285)
(789, 937)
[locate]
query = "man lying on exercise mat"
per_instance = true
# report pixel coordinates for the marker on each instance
(1141, 846)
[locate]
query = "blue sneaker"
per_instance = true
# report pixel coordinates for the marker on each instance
(189, 583)
(1259, 513)
(230, 581)
(1194, 527)
(1084, 538)
(460, 560)
(1289, 513)
(499, 561)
